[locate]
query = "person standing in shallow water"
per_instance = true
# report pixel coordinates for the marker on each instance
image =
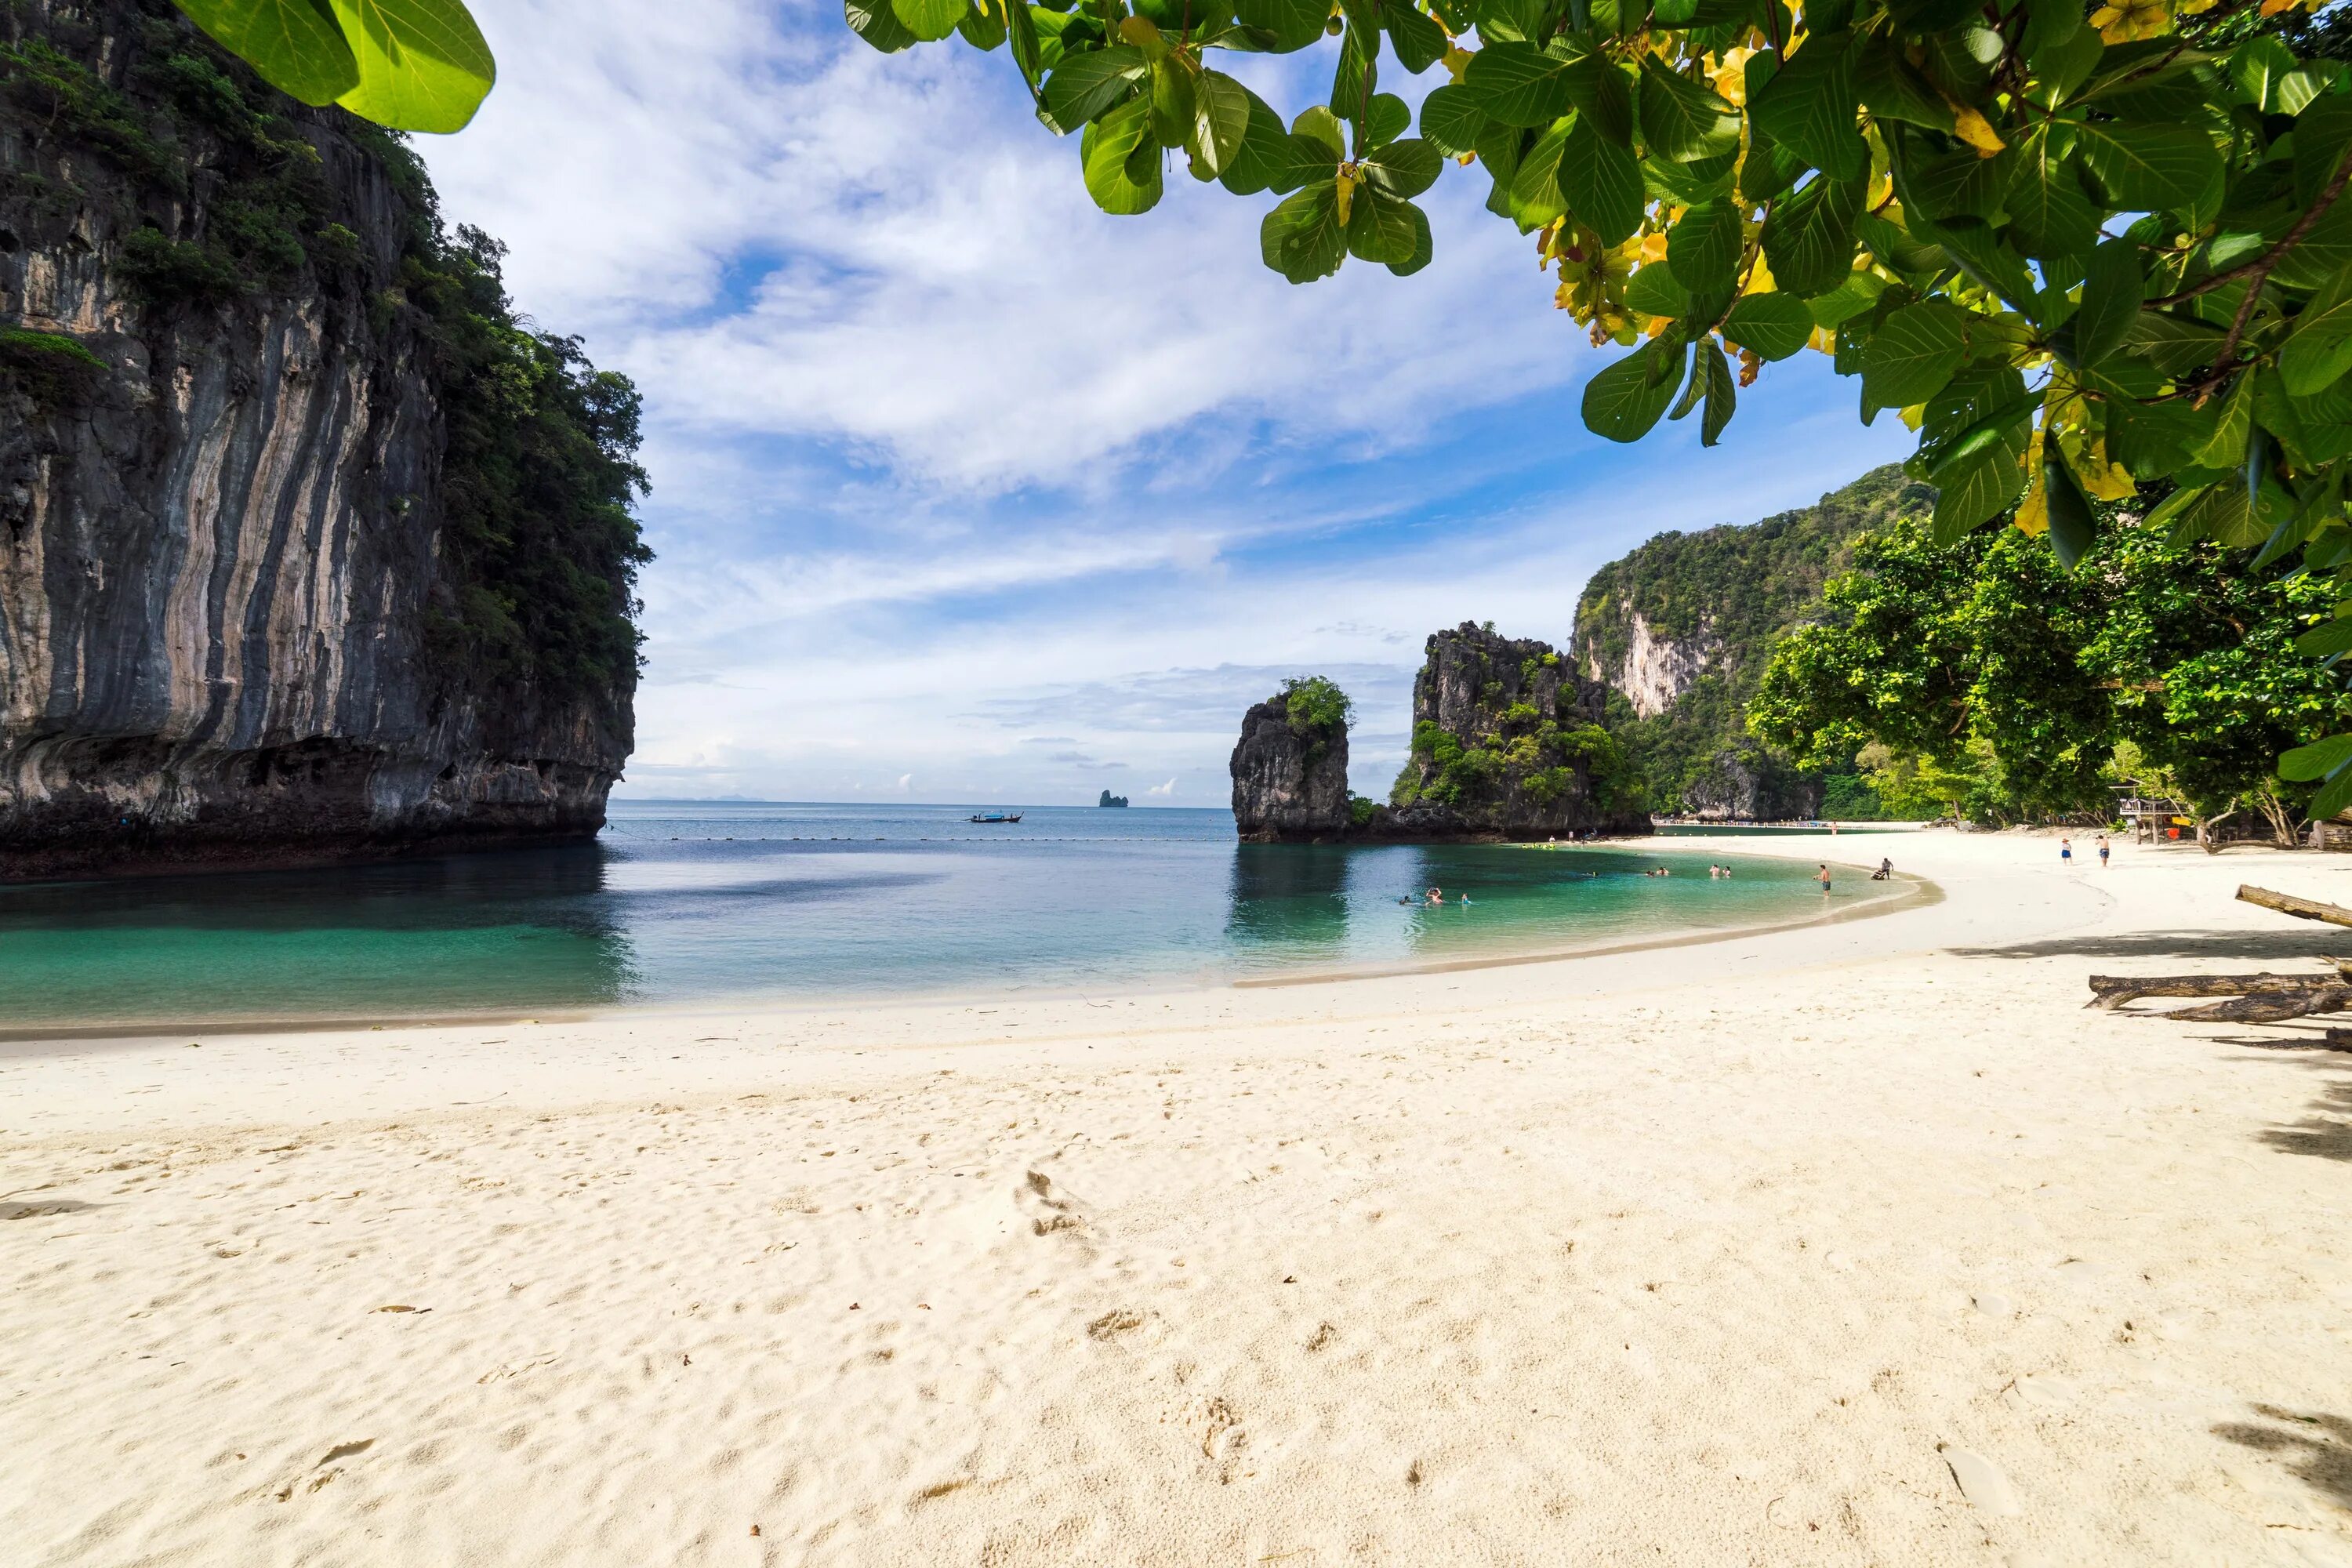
(1825, 880)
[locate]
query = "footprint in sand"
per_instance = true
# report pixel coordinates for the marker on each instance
(1048, 1211)
(1980, 1481)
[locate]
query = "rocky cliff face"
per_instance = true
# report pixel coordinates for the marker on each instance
(237, 622)
(1290, 781)
(1506, 742)
(1656, 670)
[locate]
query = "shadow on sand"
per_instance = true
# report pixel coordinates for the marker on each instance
(2244, 945)
(2317, 1448)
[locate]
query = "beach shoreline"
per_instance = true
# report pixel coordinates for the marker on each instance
(1857, 1243)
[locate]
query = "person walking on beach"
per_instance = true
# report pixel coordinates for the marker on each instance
(2102, 851)
(1825, 881)
(2066, 852)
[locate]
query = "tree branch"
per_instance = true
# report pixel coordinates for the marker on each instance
(2261, 265)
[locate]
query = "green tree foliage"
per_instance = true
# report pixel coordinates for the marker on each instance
(1317, 707)
(2011, 684)
(2078, 253)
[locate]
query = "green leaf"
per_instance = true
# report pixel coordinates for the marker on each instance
(2334, 636)
(1419, 41)
(1387, 118)
(2321, 133)
(1519, 84)
(1320, 124)
(1915, 353)
(1083, 86)
(2321, 758)
(1220, 117)
(2259, 65)
(1892, 88)
(1682, 120)
(2062, 66)
(1283, 26)
(2174, 345)
(2319, 350)
(1625, 401)
(1774, 325)
(2331, 801)
(984, 27)
(1307, 160)
(1535, 196)
(1975, 487)
(1809, 238)
(423, 63)
(1404, 169)
(929, 20)
(2324, 248)
(1705, 246)
(1809, 107)
(2150, 168)
(1263, 159)
(1302, 238)
(295, 47)
(1381, 228)
(1982, 255)
(1603, 183)
(1122, 160)
(1422, 247)
(2112, 289)
(1174, 114)
(1958, 184)
(1856, 294)
(1722, 395)
(1653, 292)
(2226, 447)
(2071, 523)
(2051, 23)
(2049, 214)
(1451, 119)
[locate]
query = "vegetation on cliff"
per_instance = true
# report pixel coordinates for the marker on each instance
(1984, 680)
(227, 197)
(1722, 595)
(1505, 736)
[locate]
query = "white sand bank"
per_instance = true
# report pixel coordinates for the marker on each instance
(1753, 1252)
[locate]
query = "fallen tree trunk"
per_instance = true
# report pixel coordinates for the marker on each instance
(2112, 991)
(2268, 1006)
(2301, 909)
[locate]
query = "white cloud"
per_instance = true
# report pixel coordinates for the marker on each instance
(949, 464)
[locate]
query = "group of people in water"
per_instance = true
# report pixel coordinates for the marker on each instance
(1433, 897)
(1436, 896)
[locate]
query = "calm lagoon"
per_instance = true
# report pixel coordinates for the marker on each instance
(681, 904)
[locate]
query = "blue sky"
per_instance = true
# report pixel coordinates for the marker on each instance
(965, 491)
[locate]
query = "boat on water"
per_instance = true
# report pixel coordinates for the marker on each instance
(995, 816)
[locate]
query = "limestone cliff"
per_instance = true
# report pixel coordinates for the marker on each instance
(1680, 629)
(1506, 742)
(1290, 775)
(306, 551)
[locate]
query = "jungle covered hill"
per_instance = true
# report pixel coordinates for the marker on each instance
(1681, 630)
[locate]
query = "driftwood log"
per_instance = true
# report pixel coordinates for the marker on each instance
(2245, 999)
(2112, 991)
(2301, 909)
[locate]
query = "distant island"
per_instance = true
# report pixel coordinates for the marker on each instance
(1110, 799)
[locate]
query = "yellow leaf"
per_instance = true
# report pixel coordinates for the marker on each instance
(1457, 61)
(1976, 131)
(1759, 277)
(1346, 193)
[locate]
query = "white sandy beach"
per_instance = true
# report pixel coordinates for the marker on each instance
(1858, 1243)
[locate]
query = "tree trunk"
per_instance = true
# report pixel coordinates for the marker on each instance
(2112, 991)
(2302, 909)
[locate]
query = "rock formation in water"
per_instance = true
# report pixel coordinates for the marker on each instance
(1109, 799)
(1681, 630)
(1506, 743)
(306, 550)
(1290, 773)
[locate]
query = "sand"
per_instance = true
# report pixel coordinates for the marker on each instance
(1857, 1244)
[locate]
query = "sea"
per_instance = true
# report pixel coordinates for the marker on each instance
(681, 905)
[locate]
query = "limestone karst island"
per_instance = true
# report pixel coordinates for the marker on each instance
(949, 784)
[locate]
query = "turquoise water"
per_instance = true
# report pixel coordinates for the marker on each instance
(681, 904)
